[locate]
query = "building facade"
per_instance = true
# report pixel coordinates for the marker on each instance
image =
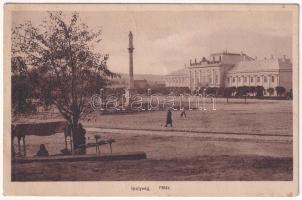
(268, 73)
(233, 70)
(179, 78)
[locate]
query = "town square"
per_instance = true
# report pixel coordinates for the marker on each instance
(129, 95)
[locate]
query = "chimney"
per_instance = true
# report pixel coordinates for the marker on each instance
(190, 62)
(195, 61)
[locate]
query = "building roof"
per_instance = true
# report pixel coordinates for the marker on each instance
(233, 54)
(226, 53)
(227, 58)
(179, 72)
(141, 81)
(261, 65)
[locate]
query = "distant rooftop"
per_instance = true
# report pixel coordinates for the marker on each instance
(212, 61)
(227, 53)
(271, 64)
(179, 72)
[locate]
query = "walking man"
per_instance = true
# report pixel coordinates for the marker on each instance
(169, 118)
(183, 113)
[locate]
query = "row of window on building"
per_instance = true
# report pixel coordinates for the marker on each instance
(178, 80)
(245, 79)
(207, 79)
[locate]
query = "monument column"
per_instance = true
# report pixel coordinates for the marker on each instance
(130, 49)
(130, 90)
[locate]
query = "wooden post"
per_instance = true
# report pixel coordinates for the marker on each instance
(96, 145)
(24, 146)
(71, 145)
(110, 147)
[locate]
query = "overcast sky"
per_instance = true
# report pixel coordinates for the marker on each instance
(165, 40)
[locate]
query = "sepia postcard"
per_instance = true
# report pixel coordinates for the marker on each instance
(151, 99)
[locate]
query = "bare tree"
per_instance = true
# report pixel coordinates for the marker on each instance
(61, 55)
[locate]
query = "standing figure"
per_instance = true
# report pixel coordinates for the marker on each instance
(183, 112)
(169, 118)
(79, 140)
(82, 133)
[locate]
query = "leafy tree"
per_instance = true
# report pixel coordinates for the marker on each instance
(259, 91)
(22, 89)
(291, 94)
(252, 89)
(233, 90)
(65, 66)
(242, 90)
(221, 91)
(270, 91)
(228, 92)
(212, 90)
(280, 90)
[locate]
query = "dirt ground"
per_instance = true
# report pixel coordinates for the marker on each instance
(205, 168)
(235, 142)
(257, 116)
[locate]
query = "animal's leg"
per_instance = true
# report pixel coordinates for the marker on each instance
(66, 142)
(19, 145)
(12, 147)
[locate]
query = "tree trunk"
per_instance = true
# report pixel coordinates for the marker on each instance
(74, 131)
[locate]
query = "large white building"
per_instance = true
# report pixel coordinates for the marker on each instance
(268, 73)
(233, 70)
(179, 78)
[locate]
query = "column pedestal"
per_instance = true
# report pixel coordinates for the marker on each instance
(128, 94)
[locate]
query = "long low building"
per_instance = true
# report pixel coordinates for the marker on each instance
(268, 73)
(179, 78)
(233, 70)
